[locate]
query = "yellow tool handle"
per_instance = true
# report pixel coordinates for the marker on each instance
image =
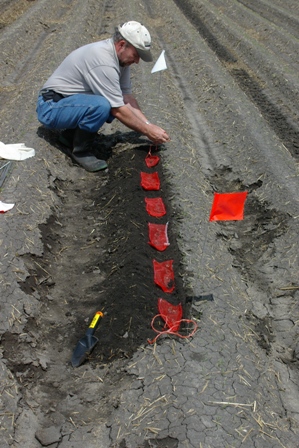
(95, 319)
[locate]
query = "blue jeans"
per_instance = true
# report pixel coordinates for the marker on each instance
(88, 112)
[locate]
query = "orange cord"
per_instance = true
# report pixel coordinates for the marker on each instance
(170, 329)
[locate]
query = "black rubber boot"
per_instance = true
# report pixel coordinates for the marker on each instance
(66, 137)
(82, 151)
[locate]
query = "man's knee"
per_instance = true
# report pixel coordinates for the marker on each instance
(105, 106)
(42, 112)
(101, 112)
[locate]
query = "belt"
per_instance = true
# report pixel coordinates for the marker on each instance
(51, 95)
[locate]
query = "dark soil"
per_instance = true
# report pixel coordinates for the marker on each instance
(97, 256)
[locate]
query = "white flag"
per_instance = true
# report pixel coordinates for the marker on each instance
(160, 64)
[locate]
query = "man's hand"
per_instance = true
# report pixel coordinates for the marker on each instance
(156, 134)
(132, 117)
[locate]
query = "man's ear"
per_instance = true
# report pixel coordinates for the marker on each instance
(120, 45)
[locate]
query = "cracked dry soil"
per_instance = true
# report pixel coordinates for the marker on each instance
(95, 252)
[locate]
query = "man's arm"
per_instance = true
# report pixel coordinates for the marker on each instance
(131, 102)
(132, 117)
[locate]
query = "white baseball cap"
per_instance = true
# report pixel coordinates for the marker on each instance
(138, 36)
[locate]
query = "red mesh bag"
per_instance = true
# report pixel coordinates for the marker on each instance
(150, 181)
(155, 207)
(158, 237)
(172, 314)
(163, 275)
(151, 160)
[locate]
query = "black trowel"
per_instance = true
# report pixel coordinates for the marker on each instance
(87, 343)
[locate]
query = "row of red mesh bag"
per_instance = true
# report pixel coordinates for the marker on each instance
(158, 238)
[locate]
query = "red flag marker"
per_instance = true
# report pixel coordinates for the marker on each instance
(228, 206)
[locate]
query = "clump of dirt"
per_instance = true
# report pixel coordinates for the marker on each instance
(265, 334)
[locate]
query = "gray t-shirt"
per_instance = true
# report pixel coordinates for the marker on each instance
(93, 69)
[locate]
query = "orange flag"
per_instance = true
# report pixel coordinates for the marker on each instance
(228, 206)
